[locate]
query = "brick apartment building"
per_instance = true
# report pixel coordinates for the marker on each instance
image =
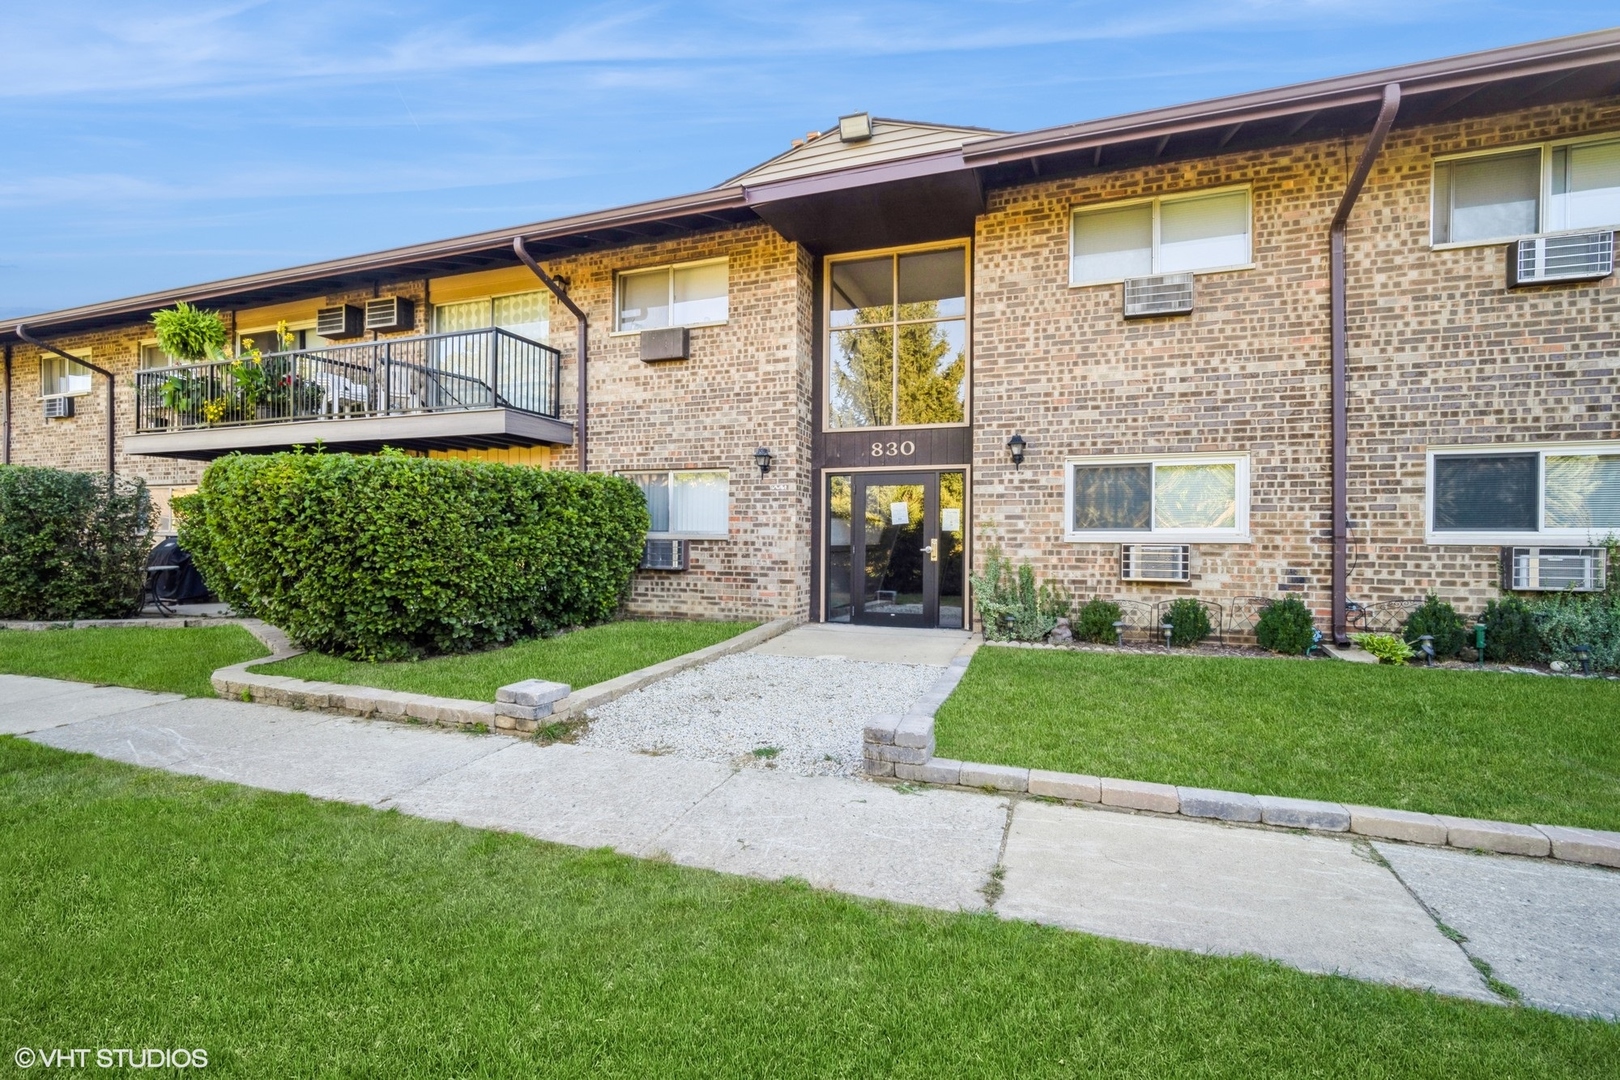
(1353, 339)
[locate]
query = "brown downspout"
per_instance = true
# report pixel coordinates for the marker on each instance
(584, 338)
(7, 439)
(112, 415)
(1341, 429)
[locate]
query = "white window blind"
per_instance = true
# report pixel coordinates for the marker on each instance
(1160, 236)
(693, 503)
(1583, 492)
(1175, 498)
(59, 377)
(1585, 187)
(1566, 494)
(691, 294)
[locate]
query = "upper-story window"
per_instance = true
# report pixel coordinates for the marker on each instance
(526, 314)
(1504, 194)
(682, 294)
(60, 377)
(899, 339)
(1200, 232)
(268, 340)
(154, 357)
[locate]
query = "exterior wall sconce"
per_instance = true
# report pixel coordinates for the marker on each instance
(762, 458)
(1016, 446)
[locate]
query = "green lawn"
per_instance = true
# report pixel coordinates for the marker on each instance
(579, 658)
(292, 937)
(175, 660)
(1479, 744)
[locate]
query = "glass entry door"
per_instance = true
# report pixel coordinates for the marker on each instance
(895, 547)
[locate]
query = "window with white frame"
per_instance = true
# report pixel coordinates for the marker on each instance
(1201, 232)
(1501, 195)
(687, 504)
(154, 357)
(1488, 496)
(1186, 498)
(684, 294)
(60, 377)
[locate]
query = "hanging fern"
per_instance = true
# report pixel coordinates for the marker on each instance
(190, 334)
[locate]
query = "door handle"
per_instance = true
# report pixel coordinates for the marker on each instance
(933, 550)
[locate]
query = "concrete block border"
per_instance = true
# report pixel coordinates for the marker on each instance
(901, 747)
(237, 681)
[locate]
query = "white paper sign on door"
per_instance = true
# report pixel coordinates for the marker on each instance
(899, 513)
(950, 519)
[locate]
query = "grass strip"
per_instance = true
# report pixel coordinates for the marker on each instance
(1479, 744)
(579, 658)
(178, 660)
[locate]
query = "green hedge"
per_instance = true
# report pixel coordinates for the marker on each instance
(386, 557)
(72, 545)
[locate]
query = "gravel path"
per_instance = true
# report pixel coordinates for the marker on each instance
(810, 711)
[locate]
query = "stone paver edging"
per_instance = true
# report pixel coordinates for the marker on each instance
(901, 747)
(236, 681)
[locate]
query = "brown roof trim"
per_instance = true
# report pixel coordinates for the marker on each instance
(1429, 76)
(877, 172)
(500, 240)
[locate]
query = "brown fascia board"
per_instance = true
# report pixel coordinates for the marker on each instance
(499, 240)
(1430, 76)
(878, 172)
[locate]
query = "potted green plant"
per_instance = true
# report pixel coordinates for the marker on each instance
(190, 334)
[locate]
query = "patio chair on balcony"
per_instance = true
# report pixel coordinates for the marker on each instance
(340, 394)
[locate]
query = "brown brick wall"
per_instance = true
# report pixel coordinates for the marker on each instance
(1440, 352)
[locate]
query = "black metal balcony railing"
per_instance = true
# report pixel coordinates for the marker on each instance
(466, 369)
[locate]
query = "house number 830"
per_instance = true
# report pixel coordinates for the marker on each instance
(894, 449)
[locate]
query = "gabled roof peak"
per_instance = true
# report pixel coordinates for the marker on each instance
(891, 139)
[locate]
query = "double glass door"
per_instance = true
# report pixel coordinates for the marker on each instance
(895, 549)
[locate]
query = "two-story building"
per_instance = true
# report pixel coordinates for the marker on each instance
(1353, 339)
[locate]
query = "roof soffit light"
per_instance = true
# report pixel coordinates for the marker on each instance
(856, 127)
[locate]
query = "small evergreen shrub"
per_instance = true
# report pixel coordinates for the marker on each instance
(1286, 626)
(385, 557)
(72, 545)
(1511, 635)
(1011, 605)
(1389, 648)
(1189, 622)
(1097, 619)
(1570, 619)
(1440, 620)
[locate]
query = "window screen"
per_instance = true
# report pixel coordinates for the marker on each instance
(1113, 497)
(1583, 491)
(1196, 234)
(1487, 198)
(1496, 492)
(700, 295)
(1113, 244)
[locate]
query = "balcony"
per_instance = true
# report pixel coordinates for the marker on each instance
(461, 390)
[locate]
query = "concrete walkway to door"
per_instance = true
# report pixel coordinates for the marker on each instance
(1319, 903)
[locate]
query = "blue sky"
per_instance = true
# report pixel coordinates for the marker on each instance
(160, 144)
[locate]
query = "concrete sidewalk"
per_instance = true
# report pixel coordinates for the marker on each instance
(1319, 903)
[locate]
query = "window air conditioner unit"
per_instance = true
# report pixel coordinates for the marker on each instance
(1154, 562)
(1546, 260)
(668, 343)
(58, 408)
(1555, 569)
(1162, 294)
(336, 323)
(390, 314)
(664, 555)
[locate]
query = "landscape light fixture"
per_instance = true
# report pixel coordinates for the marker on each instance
(856, 127)
(762, 458)
(1016, 445)
(1584, 654)
(1426, 647)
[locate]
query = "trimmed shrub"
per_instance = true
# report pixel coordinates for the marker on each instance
(1511, 635)
(1440, 620)
(1286, 626)
(1011, 605)
(1389, 648)
(72, 545)
(386, 557)
(1189, 622)
(1097, 619)
(1570, 619)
